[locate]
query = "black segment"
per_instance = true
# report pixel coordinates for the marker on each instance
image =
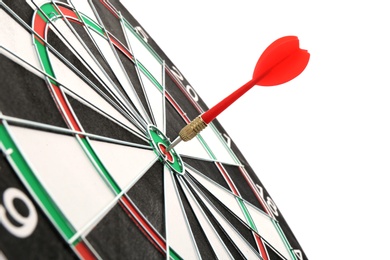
(234, 251)
(240, 226)
(24, 11)
(148, 195)
(118, 237)
(110, 21)
(133, 76)
(202, 242)
(208, 169)
(58, 45)
(174, 121)
(95, 123)
(81, 31)
(272, 255)
(242, 185)
(180, 97)
(44, 242)
(25, 95)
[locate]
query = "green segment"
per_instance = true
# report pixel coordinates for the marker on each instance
(24, 169)
(150, 76)
(246, 214)
(174, 255)
(88, 21)
(100, 166)
(158, 137)
(48, 11)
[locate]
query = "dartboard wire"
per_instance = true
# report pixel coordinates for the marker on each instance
(164, 99)
(199, 137)
(27, 27)
(177, 78)
(45, 203)
(123, 26)
(150, 120)
(192, 182)
(131, 115)
(111, 37)
(66, 131)
(170, 174)
(199, 212)
(92, 222)
(93, 107)
(143, 224)
(138, 66)
(90, 248)
(65, 228)
(247, 218)
(50, 78)
(126, 101)
(260, 197)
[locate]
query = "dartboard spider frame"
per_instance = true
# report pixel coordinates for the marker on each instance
(88, 105)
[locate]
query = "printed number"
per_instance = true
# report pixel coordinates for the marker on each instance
(27, 224)
(189, 89)
(270, 203)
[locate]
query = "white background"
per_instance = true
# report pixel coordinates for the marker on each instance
(322, 141)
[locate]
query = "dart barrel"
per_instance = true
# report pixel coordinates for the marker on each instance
(192, 129)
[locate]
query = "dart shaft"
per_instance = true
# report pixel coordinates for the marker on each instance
(213, 112)
(174, 143)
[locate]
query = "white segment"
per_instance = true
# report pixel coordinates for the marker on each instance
(179, 235)
(124, 163)
(156, 100)
(217, 146)
(193, 148)
(267, 229)
(227, 198)
(19, 41)
(71, 81)
(116, 67)
(213, 238)
(65, 172)
(142, 54)
(235, 236)
(85, 8)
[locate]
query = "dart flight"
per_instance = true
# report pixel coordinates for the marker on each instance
(281, 61)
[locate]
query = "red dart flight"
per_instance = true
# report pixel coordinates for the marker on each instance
(282, 61)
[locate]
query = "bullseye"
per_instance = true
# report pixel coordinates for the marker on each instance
(168, 155)
(160, 145)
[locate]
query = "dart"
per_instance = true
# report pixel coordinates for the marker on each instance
(281, 62)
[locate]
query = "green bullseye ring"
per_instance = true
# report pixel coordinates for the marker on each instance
(160, 143)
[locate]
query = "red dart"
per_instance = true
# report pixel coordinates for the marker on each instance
(282, 61)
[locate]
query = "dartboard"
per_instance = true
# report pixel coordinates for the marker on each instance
(88, 106)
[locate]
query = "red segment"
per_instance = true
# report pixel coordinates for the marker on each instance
(163, 149)
(65, 109)
(120, 46)
(143, 225)
(261, 247)
(255, 191)
(68, 12)
(177, 107)
(227, 179)
(84, 251)
(39, 26)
